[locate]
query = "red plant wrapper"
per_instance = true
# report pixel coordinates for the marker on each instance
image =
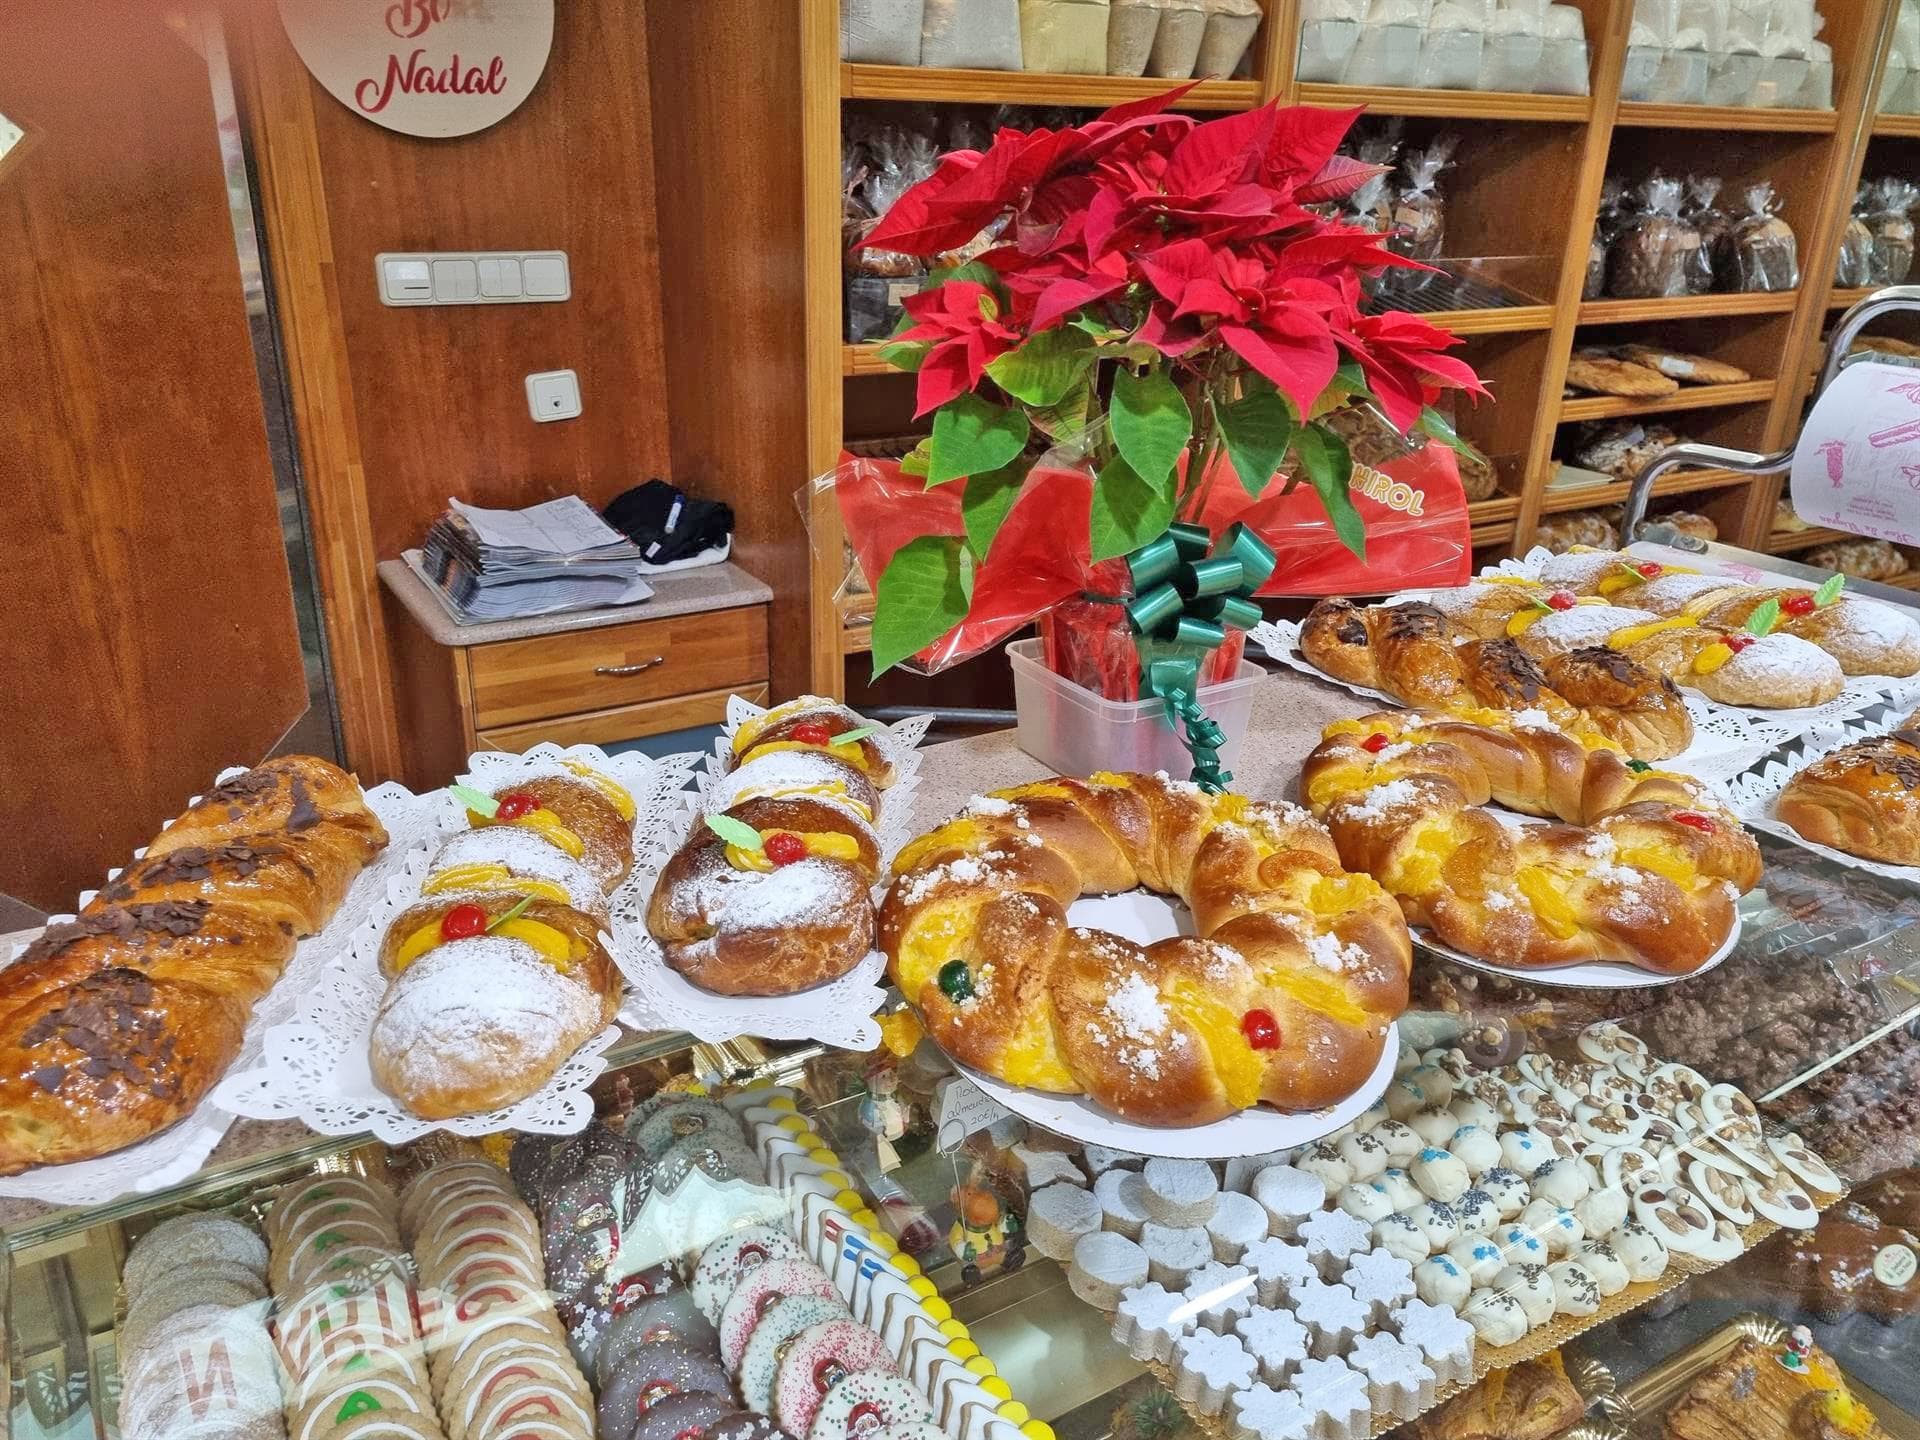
(1092, 643)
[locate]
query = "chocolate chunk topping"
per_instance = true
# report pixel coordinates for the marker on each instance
(303, 814)
(193, 862)
(1416, 621)
(1896, 755)
(246, 785)
(48, 1077)
(107, 1018)
(1511, 671)
(1351, 630)
(125, 922)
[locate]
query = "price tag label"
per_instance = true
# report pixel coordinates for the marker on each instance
(961, 1108)
(1896, 1266)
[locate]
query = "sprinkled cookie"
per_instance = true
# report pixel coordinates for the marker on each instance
(680, 1416)
(819, 1358)
(756, 1293)
(189, 1240)
(760, 1364)
(650, 1373)
(724, 1261)
(865, 1401)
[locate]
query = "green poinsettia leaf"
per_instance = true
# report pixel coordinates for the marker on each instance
(735, 832)
(972, 436)
(1764, 617)
(1151, 424)
(1044, 369)
(1329, 468)
(906, 357)
(922, 594)
(972, 270)
(847, 737)
(916, 460)
(1258, 428)
(514, 914)
(1830, 591)
(1070, 417)
(1127, 511)
(475, 800)
(985, 502)
(1436, 426)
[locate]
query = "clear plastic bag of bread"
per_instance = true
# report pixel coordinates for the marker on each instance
(1853, 269)
(1702, 211)
(1420, 210)
(1583, 528)
(1606, 224)
(1659, 254)
(1889, 220)
(1761, 248)
(898, 159)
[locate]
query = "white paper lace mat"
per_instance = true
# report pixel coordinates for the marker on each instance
(177, 1153)
(315, 1066)
(1753, 794)
(838, 1013)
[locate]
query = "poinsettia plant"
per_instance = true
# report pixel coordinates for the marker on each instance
(1193, 255)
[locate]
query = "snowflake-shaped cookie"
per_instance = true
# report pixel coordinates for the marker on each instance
(1277, 1341)
(1333, 1315)
(1264, 1413)
(1338, 1396)
(1208, 1367)
(1220, 1294)
(1400, 1381)
(1331, 1237)
(1444, 1340)
(1149, 1319)
(1379, 1281)
(1279, 1268)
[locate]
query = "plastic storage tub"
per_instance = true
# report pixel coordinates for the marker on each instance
(1076, 732)
(1731, 77)
(1512, 62)
(1681, 78)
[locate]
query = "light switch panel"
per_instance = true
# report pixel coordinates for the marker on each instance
(553, 395)
(485, 277)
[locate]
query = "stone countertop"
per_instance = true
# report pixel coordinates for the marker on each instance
(1289, 711)
(677, 592)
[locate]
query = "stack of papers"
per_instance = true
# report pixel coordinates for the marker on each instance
(506, 564)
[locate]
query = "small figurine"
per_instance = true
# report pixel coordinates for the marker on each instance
(1799, 1347)
(881, 1113)
(981, 1239)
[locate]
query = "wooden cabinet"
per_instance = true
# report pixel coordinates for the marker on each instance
(595, 678)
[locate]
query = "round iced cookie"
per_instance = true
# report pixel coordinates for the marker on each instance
(1403, 1142)
(1434, 1124)
(1179, 1192)
(680, 1417)
(1398, 1235)
(1323, 1162)
(1478, 1255)
(1237, 1222)
(1725, 1243)
(724, 1261)
(786, 1319)
(1676, 1215)
(746, 1425)
(1439, 1280)
(673, 1316)
(1602, 1210)
(665, 1126)
(1365, 1200)
(1476, 1213)
(1558, 1228)
(864, 1401)
(1290, 1195)
(1629, 1168)
(1472, 1110)
(757, 1292)
(1104, 1264)
(1122, 1197)
(1576, 1290)
(1437, 1221)
(1572, 1082)
(1599, 1260)
(1404, 1097)
(1519, 1245)
(1434, 1083)
(1365, 1154)
(1524, 1151)
(1640, 1250)
(1477, 1147)
(1401, 1188)
(1607, 1043)
(1793, 1152)
(1174, 1251)
(1497, 1317)
(1723, 1193)
(1565, 1182)
(1617, 1123)
(650, 1373)
(818, 1359)
(187, 1240)
(1781, 1200)
(1440, 1174)
(1059, 1214)
(1532, 1286)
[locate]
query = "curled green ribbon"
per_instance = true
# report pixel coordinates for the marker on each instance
(1185, 601)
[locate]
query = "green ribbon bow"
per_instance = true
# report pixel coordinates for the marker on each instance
(1184, 602)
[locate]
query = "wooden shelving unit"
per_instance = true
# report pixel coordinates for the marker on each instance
(1526, 182)
(1785, 542)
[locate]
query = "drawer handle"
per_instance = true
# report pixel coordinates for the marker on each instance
(617, 670)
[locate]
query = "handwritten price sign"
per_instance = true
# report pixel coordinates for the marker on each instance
(424, 67)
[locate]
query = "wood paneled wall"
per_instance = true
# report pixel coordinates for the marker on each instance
(400, 408)
(149, 628)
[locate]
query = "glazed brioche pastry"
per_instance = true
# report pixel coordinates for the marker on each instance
(1282, 997)
(1647, 872)
(1630, 703)
(792, 912)
(1863, 799)
(510, 860)
(1405, 650)
(1753, 1392)
(803, 773)
(116, 1025)
(1864, 637)
(581, 813)
(812, 723)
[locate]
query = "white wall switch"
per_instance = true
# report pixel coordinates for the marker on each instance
(553, 395)
(467, 277)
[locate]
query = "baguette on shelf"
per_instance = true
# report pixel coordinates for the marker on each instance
(1647, 873)
(115, 1025)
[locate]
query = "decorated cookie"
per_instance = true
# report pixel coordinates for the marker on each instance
(1401, 1188)
(1440, 1280)
(1497, 1317)
(1792, 1152)
(680, 1416)
(1402, 1141)
(649, 1374)
(1506, 1189)
(1276, 1340)
(724, 1261)
(1642, 1251)
(785, 1319)
(746, 1425)
(1478, 1255)
(1724, 1194)
(667, 1125)
(1523, 1152)
(1556, 1227)
(1365, 1200)
(1602, 1210)
(1781, 1200)
(1676, 1215)
(673, 1316)
(816, 1360)
(1475, 1213)
(1398, 1235)
(1532, 1286)
(758, 1291)
(1607, 1043)
(1365, 1154)
(1434, 1125)
(1440, 1174)
(865, 1401)
(1323, 1162)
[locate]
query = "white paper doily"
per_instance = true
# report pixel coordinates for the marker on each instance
(838, 1013)
(315, 1069)
(177, 1153)
(1252, 1132)
(1753, 794)
(1588, 974)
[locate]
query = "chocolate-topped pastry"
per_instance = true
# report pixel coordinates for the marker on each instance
(672, 1316)
(648, 1374)
(679, 1417)
(580, 1231)
(745, 1425)
(655, 1128)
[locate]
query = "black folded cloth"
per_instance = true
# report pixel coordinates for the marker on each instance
(668, 524)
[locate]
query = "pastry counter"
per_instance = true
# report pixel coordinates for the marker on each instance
(978, 1270)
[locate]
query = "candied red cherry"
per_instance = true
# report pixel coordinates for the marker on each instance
(812, 732)
(1261, 1029)
(1695, 819)
(1562, 600)
(513, 806)
(1374, 744)
(463, 922)
(1737, 643)
(1801, 604)
(1650, 568)
(783, 847)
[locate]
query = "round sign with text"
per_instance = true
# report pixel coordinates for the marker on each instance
(424, 67)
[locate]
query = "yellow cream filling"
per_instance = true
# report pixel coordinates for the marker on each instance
(821, 844)
(616, 794)
(1634, 634)
(1238, 1065)
(961, 834)
(1542, 887)
(1032, 1058)
(1317, 990)
(1415, 867)
(554, 946)
(1712, 658)
(1672, 863)
(930, 941)
(832, 790)
(486, 877)
(852, 754)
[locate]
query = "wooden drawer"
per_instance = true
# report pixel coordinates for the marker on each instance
(517, 681)
(625, 722)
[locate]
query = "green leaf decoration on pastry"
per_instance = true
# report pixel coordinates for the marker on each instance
(734, 832)
(847, 737)
(515, 913)
(1765, 616)
(1830, 591)
(475, 801)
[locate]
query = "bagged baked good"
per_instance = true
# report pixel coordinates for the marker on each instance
(1176, 44)
(1659, 253)
(1478, 480)
(1064, 37)
(1760, 252)
(1131, 26)
(1854, 267)
(1687, 522)
(1620, 448)
(1420, 210)
(971, 35)
(1231, 26)
(1692, 369)
(1862, 559)
(1604, 374)
(1890, 223)
(1582, 528)
(1703, 212)
(881, 32)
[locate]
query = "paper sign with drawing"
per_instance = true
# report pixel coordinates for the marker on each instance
(1857, 466)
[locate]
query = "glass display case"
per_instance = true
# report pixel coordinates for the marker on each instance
(1813, 1018)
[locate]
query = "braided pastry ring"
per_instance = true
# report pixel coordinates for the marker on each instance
(1283, 997)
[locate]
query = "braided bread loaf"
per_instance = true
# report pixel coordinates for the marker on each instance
(1414, 652)
(1646, 872)
(1283, 996)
